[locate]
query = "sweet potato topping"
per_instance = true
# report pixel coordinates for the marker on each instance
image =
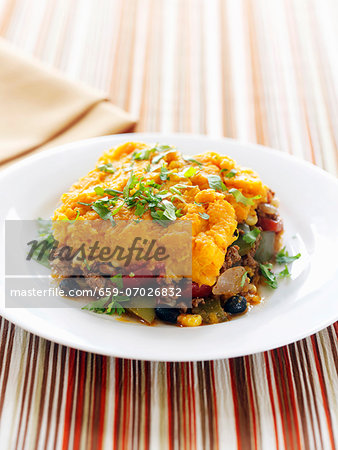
(197, 189)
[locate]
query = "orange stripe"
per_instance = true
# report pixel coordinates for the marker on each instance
(323, 389)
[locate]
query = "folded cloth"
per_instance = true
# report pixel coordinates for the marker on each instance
(40, 108)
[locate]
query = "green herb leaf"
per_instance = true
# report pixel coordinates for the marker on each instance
(216, 183)
(117, 280)
(193, 161)
(284, 273)
(270, 277)
(169, 211)
(251, 236)
(82, 203)
(112, 192)
(130, 184)
(140, 209)
(109, 168)
(164, 173)
(204, 215)
(240, 198)
(99, 306)
(99, 190)
(189, 172)
(231, 173)
(143, 154)
(244, 276)
(283, 257)
(103, 211)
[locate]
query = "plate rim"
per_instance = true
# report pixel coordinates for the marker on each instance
(16, 318)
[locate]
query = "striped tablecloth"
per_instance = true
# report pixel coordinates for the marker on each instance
(258, 70)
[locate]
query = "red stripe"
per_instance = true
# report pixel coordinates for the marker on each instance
(147, 396)
(80, 399)
(169, 407)
(117, 403)
(323, 390)
(235, 401)
(184, 402)
(103, 388)
(69, 397)
(125, 396)
(272, 401)
(251, 400)
(192, 384)
(212, 367)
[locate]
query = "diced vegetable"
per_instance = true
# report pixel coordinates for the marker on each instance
(211, 311)
(146, 314)
(229, 283)
(244, 247)
(200, 291)
(265, 250)
(270, 224)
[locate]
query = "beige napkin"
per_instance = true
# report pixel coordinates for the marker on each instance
(40, 108)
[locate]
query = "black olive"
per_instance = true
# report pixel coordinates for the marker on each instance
(167, 314)
(67, 284)
(235, 304)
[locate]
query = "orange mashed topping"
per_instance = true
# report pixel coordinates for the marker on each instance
(214, 212)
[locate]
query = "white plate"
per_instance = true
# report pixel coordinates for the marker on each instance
(299, 307)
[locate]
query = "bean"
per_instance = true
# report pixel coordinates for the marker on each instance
(236, 304)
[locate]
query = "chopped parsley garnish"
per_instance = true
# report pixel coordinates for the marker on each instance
(231, 173)
(204, 215)
(193, 161)
(103, 211)
(163, 150)
(187, 173)
(284, 273)
(216, 183)
(99, 190)
(130, 184)
(169, 211)
(102, 306)
(112, 192)
(117, 280)
(270, 277)
(109, 168)
(140, 155)
(240, 198)
(140, 209)
(251, 236)
(245, 274)
(46, 240)
(283, 257)
(164, 175)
